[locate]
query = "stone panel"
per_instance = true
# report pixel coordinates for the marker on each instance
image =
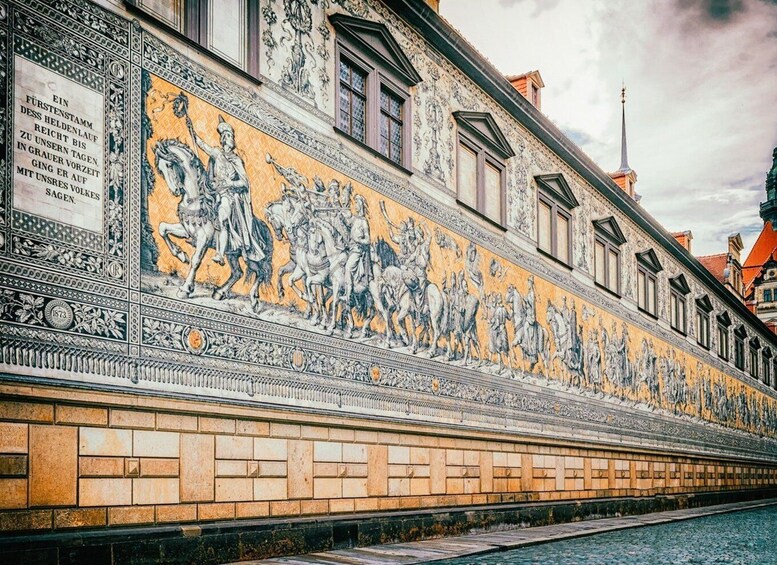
(155, 491)
(13, 437)
(53, 465)
(13, 493)
(300, 469)
(198, 465)
(104, 492)
(105, 441)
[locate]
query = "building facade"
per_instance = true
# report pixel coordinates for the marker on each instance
(318, 258)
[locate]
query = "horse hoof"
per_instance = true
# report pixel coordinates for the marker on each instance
(183, 293)
(257, 307)
(218, 295)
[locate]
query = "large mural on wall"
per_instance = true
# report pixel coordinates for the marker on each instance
(208, 244)
(244, 223)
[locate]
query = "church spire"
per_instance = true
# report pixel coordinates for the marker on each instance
(625, 177)
(624, 151)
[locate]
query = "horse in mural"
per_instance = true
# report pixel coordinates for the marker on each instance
(186, 178)
(530, 336)
(289, 222)
(566, 338)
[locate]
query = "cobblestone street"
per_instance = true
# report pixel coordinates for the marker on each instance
(728, 533)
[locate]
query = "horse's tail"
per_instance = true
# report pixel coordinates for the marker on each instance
(262, 269)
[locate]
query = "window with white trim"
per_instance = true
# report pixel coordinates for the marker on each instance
(724, 324)
(482, 152)
(555, 202)
(678, 308)
(703, 309)
(608, 238)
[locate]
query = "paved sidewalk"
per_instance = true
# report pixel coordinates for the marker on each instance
(500, 540)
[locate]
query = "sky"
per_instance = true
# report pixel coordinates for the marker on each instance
(701, 95)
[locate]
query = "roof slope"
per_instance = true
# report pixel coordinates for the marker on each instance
(760, 253)
(715, 264)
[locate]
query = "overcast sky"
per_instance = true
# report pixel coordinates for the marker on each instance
(701, 94)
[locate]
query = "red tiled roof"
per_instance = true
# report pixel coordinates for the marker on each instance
(715, 264)
(763, 249)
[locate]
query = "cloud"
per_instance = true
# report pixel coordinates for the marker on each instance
(579, 137)
(701, 79)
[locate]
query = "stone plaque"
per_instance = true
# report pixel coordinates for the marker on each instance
(58, 147)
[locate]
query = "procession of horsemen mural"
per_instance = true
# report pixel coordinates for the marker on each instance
(244, 223)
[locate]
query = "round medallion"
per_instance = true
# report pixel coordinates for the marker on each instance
(58, 314)
(375, 374)
(435, 385)
(194, 340)
(298, 359)
(115, 270)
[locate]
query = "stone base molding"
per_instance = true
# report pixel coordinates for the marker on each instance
(75, 460)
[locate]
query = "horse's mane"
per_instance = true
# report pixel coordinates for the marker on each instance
(167, 144)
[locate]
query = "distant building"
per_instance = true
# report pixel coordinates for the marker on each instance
(760, 267)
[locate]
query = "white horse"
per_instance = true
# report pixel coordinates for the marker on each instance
(289, 221)
(185, 176)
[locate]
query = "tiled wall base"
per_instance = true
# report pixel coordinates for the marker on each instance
(84, 464)
(256, 539)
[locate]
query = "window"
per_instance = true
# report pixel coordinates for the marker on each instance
(608, 238)
(228, 29)
(353, 100)
(739, 347)
(703, 309)
(768, 295)
(648, 268)
(774, 374)
(724, 322)
(482, 152)
(555, 201)
(678, 289)
(766, 364)
(373, 88)
(755, 345)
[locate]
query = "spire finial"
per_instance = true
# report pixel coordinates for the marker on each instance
(624, 152)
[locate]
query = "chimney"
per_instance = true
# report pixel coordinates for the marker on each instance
(735, 246)
(529, 85)
(434, 5)
(625, 177)
(684, 238)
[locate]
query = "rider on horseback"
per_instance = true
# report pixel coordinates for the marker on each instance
(413, 258)
(227, 175)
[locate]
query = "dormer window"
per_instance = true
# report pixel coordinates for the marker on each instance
(724, 323)
(373, 90)
(648, 268)
(755, 345)
(480, 165)
(703, 309)
(608, 238)
(766, 364)
(555, 202)
(678, 310)
(739, 347)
